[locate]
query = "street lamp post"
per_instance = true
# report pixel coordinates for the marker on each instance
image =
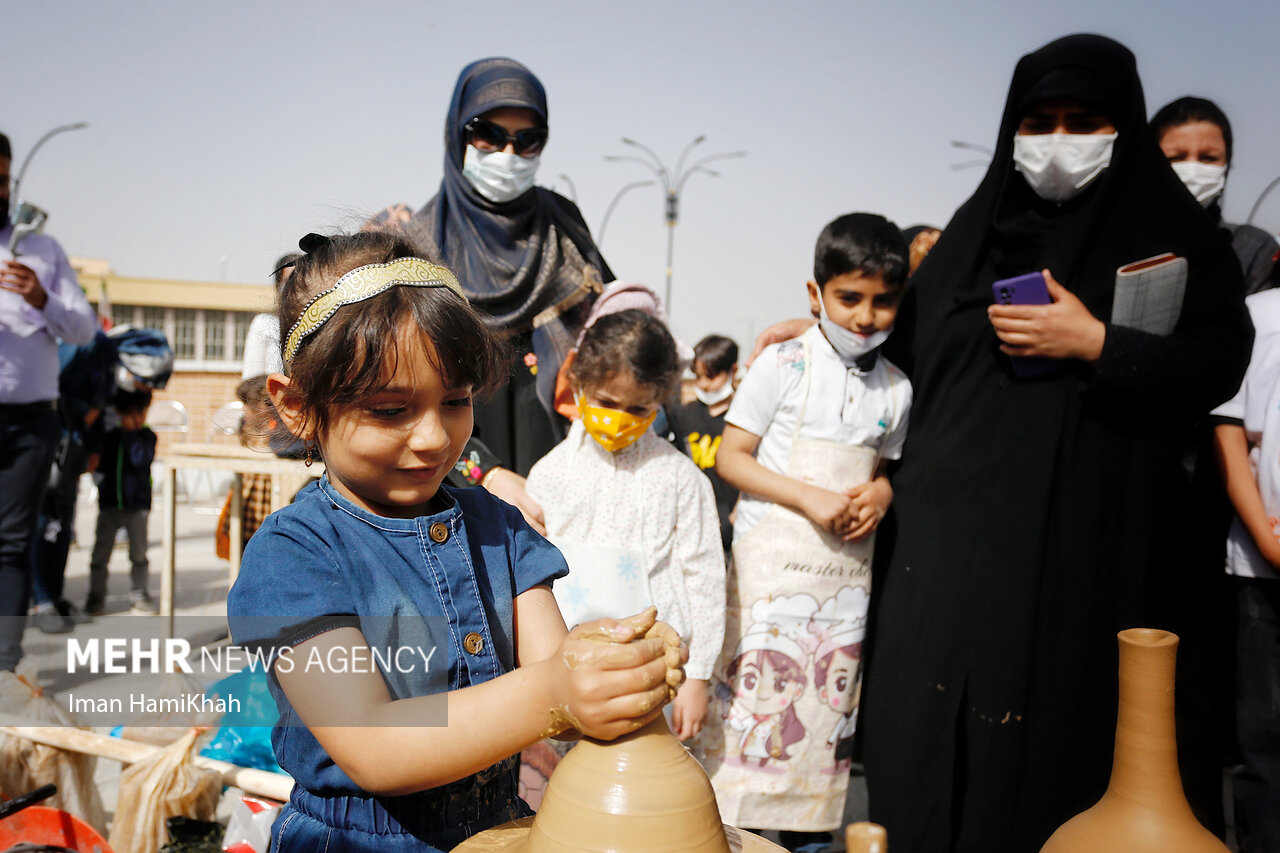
(609, 210)
(17, 183)
(1253, 211)
(971, 146)
(672, 184)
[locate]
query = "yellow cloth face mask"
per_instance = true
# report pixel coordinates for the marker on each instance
(614, 429)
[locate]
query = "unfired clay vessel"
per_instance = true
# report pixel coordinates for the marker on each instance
(865, 837)
(1144, 809)
(642, 793)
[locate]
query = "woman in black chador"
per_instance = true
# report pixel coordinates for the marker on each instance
(1036, 517)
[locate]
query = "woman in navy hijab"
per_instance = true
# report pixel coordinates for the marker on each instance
(524, 257)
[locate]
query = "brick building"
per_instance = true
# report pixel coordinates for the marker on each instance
(205, 323)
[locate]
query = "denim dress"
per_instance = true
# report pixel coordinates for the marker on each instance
(438, 591)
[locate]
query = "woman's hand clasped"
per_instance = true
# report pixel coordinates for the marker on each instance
(1062, 329)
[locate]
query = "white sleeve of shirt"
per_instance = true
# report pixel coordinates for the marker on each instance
(1233, 408)
(755, 403)
(901, 395)
(67, 313)
(699, 556)
(262, 348)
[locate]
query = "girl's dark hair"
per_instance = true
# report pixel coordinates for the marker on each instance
(354, 353)
(632, 342)
(717, 354)
(1187, 110)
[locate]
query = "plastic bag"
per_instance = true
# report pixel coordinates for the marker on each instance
(166, 784)
(26, 765)
(249, 828)
(245, 736)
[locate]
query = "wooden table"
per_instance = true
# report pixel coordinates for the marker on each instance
(238, 461)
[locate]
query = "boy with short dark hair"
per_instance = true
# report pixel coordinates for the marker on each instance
(124, 500)
(807, 440)
(698, 424)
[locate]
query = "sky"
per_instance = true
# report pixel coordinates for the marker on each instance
(219, 133)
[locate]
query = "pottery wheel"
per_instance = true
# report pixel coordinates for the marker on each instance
(510, 838)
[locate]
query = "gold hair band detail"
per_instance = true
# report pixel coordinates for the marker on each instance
(365, 283)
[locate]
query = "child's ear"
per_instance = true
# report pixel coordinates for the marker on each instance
(815, 297)
(287, 405)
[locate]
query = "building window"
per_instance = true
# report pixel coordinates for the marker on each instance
(215, 335)
(122, 314)
(153, 317)
(184, 333)
(243, 319)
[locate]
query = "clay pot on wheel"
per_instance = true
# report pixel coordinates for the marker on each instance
(642, 793)
(1144, 809)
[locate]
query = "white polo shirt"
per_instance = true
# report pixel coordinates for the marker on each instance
(845, 405)
(1257, 405)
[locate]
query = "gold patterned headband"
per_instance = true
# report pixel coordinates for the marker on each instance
(365, 283)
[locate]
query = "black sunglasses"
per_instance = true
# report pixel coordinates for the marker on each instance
(490, 136)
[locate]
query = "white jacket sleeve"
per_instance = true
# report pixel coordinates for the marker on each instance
(699, 557)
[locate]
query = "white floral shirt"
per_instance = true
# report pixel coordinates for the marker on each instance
(649, 498)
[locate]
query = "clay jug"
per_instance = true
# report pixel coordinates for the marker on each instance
(865, 837)
(1144, 809)
(642, 793)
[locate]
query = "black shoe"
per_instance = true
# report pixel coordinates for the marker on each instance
(50, 621)
(72, 613)
(95, 606)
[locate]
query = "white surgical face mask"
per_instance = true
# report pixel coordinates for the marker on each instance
(850, 346)
(497, 175)
(1058, 166)
(1205, 180)
(710, 398)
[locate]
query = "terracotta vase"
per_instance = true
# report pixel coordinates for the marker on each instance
(1144, 809)
(865, 837)
(642, 793)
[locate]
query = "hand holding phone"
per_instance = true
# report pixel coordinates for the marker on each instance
(1029, 289)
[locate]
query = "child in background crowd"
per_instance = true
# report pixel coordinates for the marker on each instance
(124, 500)
(1247, 438)
(258, 424)
(632, 515)
(697, 425)
(806, 440)
(383, 357)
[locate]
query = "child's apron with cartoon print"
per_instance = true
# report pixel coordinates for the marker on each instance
(788, 680)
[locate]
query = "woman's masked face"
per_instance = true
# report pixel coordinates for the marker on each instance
(1061, 147)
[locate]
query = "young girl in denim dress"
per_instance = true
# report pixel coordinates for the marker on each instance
(413, 640)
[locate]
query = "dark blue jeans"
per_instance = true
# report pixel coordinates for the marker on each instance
(1257, 778)
(28, 437)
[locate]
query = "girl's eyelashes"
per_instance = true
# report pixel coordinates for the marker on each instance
(386, 412)
(459, 402)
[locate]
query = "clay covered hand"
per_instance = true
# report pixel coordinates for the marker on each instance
(610, 677)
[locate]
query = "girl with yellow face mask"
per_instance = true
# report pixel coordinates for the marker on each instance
(634, 517)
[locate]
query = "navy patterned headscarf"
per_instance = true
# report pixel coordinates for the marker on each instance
(528, 265)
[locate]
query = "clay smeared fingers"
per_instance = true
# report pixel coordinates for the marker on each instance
(642, 622)
(622, 656)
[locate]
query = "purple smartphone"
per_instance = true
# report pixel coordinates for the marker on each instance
(1028, 289)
